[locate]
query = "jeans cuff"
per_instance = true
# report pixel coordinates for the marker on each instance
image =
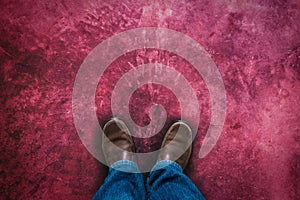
(125, 166)
(166, 163)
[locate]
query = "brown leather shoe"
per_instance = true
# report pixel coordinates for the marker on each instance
(117, 133)
(183, 140)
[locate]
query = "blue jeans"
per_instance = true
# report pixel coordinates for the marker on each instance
(166, 181)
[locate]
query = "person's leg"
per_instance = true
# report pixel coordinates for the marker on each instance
(123, 182)
(167, 181)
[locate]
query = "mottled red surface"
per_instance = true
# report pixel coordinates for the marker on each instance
(256, 47)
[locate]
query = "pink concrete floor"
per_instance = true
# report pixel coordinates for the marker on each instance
(256, 46)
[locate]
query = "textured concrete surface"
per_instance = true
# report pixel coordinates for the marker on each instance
(256, 46)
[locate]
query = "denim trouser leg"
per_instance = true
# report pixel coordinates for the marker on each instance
(167, 181)
(122, 185)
